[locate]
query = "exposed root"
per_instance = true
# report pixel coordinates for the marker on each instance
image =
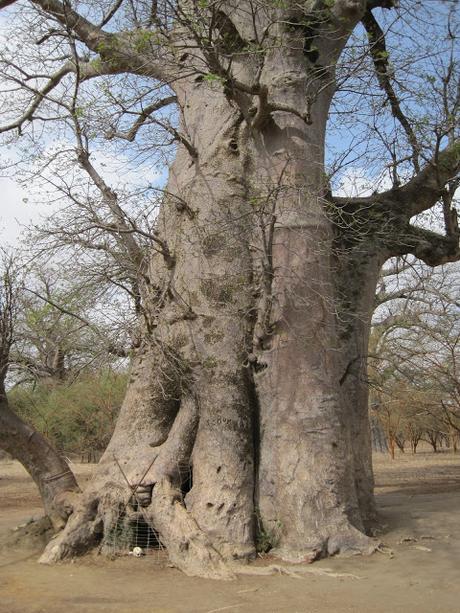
(386, 551)
(81, 533)
(345, 543)
(351, 542)
(188, 547)
(33, 535)
(297, 572)
(114, 500)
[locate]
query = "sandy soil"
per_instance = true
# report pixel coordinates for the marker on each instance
(419, 500)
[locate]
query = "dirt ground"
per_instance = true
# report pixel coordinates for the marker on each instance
(419, 501)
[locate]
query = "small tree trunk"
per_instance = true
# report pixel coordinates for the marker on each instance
(392, 444)
(433, 440)
(454, 437)
(51, 473)
(379, 439)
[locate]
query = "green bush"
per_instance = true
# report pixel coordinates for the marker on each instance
(76, 417)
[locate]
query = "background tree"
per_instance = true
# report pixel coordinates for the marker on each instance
(414, 351)
(67, 378)
(51, 473)
(59, 328)
(257, 299)
(76, 416)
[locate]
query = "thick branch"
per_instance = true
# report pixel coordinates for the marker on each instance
(50, 471)
(419, 194)
(430, 247)
(383, 4)
(5, 3)
(90, 34)
(426, 188)
(135, 52)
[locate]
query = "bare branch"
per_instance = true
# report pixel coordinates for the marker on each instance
(379, 55)
(144, 115)
(28, 115)
(113, 10)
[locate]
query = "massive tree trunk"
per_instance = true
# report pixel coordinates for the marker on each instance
(239, 377)
(246, 411)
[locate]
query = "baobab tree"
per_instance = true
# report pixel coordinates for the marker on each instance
(258, 295)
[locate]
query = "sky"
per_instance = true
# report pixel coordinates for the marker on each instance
(19, 208)
(14, 212)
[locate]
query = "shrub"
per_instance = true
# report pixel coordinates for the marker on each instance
(76, 416)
